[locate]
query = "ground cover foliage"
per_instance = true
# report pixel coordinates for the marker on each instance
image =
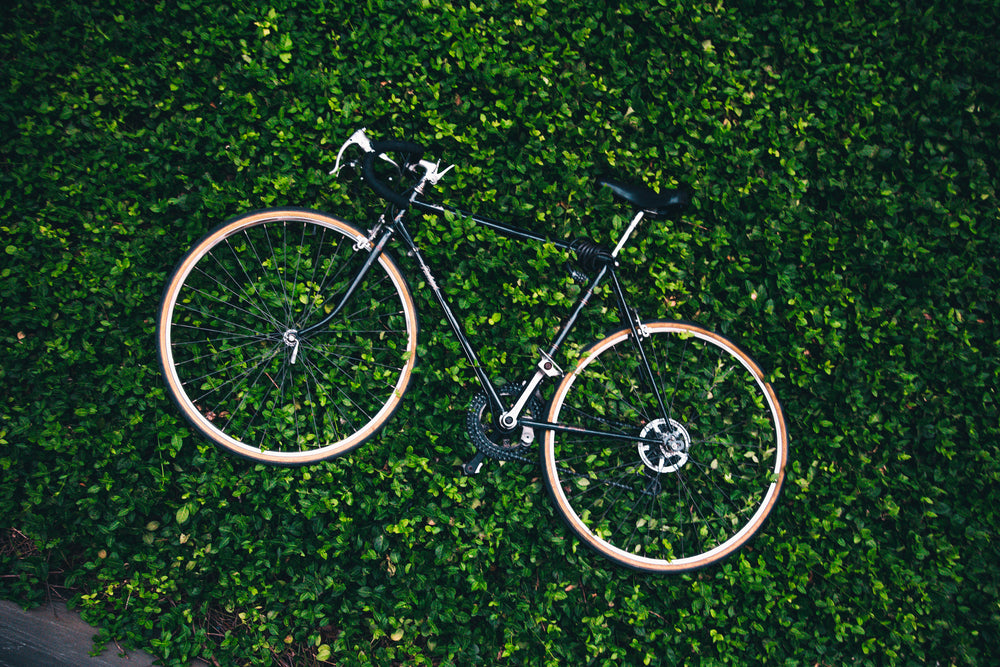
(844, 230)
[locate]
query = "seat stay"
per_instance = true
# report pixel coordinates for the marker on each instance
(638, 333)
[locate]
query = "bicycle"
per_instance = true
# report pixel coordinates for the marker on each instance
(288, 336)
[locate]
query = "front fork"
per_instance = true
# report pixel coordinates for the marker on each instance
(373, 255)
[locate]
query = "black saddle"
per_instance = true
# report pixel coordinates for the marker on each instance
(666, 204)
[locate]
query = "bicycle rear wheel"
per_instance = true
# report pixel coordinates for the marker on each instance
(671, 489)
(233, 359)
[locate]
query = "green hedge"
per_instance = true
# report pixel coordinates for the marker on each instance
(844, 229)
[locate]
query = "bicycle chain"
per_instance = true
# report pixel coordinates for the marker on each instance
(509, 447)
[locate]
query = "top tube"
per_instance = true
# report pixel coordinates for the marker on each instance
(511, 231)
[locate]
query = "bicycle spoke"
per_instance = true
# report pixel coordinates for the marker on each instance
(254, 295)
(233, 317)
(681, 493)
(241, 295)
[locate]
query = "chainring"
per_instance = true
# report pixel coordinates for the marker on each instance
(486, 435)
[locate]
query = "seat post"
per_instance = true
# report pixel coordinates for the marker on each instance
(628, 232)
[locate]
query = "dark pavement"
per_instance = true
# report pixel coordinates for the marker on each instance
(53, 636)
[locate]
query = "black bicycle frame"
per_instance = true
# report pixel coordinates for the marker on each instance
(546, 365)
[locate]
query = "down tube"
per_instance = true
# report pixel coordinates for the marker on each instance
(470, 352)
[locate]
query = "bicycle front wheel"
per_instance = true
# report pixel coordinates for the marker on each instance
(673, 484)
(233, 358)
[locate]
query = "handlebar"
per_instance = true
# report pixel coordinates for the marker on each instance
(368, 168)
(377, 149)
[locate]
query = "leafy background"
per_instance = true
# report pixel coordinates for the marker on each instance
(844, 230)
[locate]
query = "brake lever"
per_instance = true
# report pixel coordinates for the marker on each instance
(359, 138)
(433, 172)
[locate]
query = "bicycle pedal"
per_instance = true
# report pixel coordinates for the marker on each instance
(474, 466)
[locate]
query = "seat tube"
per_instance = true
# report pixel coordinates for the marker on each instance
(581, 303)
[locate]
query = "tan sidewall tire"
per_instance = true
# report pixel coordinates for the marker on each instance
(203, 425)
(625, 558)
